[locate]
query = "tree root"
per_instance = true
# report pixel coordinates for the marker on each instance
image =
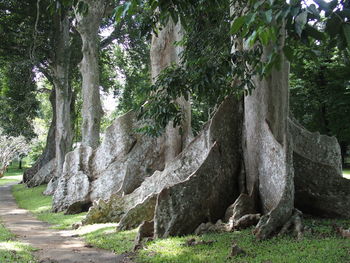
(145, 233)
(268, 225)
(294, 223)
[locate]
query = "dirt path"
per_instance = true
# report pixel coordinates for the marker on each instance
(53, 245)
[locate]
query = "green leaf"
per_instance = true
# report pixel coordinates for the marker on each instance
(288, 52)
(314, 33)
(313, 10)
(322, 4)
(251, 39)
(346, 30)
(264, 36)
(268, 16)
(237, 24)
(300, 22)
(258, 4)
(118, 13)
(345, 13)
(333, 26)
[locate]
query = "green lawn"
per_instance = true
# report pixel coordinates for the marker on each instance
(33, 200)
(319, 245)
(12, 251)
(346, 173)
(12, 175)
(13, 171)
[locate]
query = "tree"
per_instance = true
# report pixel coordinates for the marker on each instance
(10, 148)
(273, 145)
(44, 39)
(88, 26)
(17, 99)
(319, 95)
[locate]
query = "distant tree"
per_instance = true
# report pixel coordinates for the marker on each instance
(18, 103)
(320, 91)
(10, 148)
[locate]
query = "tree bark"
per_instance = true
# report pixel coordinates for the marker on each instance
(64, 133)
(163, 54)
(267, 152)
(60, 68)
(88, 27)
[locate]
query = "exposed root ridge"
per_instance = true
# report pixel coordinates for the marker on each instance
(295, 224)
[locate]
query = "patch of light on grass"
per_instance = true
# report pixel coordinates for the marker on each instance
(42, 209)
(90, 228)
(12, 246)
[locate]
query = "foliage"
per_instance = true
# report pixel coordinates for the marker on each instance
(131, 54)
(13, 251)
(320, 92)
(204, 77)
(257, 26)
(33, 200)
(10, 148)
(18, 104)
(320, 244)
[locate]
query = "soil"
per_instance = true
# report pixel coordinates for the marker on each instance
(53, 246)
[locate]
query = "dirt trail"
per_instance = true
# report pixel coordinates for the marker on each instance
(53, 246)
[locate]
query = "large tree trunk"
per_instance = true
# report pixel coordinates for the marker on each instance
(88, 27)
(124, 159)
(50, 147)
(163, 54)
(60, 69)
(267, 152)
(64, 134)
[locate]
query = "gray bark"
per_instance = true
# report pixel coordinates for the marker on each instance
(60, 69)
(267, 152)
(117, 167)
(163, 54)
(211, 160)
(205, 195)
(64, 134)
(88, 26)
(50, 147)
(320, 188)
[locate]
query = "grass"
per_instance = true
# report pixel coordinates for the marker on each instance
(12, 251)
(11, 176)
(346, 173)
(108, 238)
(7, 181)
(319, 245)
(13, 171)
(33, 200)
